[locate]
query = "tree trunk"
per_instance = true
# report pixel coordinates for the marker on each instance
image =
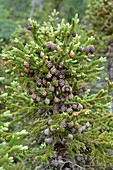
(110, 68)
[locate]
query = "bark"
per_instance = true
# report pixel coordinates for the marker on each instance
(110, 67)
(110, 61)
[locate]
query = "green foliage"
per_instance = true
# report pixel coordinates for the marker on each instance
(7, 26)
(73, 6)
(67, 9)
(10, 149)
(100, 17)
(65, 123)
(14, 12)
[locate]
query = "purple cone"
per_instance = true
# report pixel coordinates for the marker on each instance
(51, 47)
(79, 49)
(74, 34)
(29, 27)
(92, 49)
(87, 50)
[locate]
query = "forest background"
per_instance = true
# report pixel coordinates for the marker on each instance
(14, 24)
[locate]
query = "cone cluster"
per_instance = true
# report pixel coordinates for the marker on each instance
(53, 88)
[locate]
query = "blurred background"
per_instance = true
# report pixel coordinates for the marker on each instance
(16, 12)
